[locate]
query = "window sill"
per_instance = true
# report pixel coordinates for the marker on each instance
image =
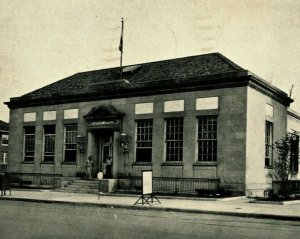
(204, 164)
(51, 163)
(27, 162)
(172, 163)
(142, 164)
(69, 163)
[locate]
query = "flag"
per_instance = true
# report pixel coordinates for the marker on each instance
(121, 39)
(121, 44)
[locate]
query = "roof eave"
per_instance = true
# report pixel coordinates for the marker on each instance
(225, 80)
(266, 88)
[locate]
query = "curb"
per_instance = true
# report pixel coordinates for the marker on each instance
(193, 198)
(276, 202)
(168, 209)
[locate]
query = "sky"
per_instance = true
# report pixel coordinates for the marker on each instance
(44, 41)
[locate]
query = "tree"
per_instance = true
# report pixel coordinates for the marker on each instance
(287, 161)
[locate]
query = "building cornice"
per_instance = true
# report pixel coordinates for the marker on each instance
(218, 81)
(293, 114)
(269, 90)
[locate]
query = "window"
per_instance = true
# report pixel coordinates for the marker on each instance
(3, 157)
(49, 143)
(207, 139)
(29, 142)
(144, 140)
(70, 142)
(269, 144)
(174, 139)
(4, 140)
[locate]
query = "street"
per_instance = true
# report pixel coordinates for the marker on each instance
(24, 220)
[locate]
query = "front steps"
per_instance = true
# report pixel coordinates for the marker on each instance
(80, 186)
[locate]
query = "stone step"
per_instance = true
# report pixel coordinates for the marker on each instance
(85, 186)
(82, 186)
(85, 181)
(69, 179)
(78, 185)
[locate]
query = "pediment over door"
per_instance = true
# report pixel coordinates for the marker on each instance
(104, 111)
(104, 117)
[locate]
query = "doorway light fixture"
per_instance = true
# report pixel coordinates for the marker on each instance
(124, 142)
(80, 140)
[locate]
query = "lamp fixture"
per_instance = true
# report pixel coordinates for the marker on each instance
(124, 142)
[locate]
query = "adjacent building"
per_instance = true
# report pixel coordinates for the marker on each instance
(194, 117)
(293, 126)
(293, 121)
(3, 145)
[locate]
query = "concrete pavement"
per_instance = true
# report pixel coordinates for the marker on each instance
(240, 206)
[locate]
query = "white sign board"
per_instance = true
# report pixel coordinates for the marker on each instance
(174, 106)
(144, 108)
(71, 114)
(29, 117)
(100, 175)
(269, 110)
(207, 103)
(49, 115)
(147, 182)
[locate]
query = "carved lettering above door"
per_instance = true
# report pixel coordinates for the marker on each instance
(104, 117)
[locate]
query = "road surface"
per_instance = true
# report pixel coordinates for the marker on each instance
(24, 220)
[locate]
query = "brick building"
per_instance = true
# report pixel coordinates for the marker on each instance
(194, 117)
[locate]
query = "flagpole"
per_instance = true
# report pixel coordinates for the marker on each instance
(121, 47)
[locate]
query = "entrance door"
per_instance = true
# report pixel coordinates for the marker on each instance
(106, 154)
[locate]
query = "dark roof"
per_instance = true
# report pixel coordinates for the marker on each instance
(4, 126)
(175, 69)
(181, 74)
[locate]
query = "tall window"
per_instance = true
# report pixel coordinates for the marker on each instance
(269, 144)
(174, 139)
(144, 140)
(207, 139)
(70, 142)
(29, 142)
(49, 143)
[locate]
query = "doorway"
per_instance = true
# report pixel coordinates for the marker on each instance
(105, 152)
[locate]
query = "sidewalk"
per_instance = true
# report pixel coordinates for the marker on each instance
(233, 207)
